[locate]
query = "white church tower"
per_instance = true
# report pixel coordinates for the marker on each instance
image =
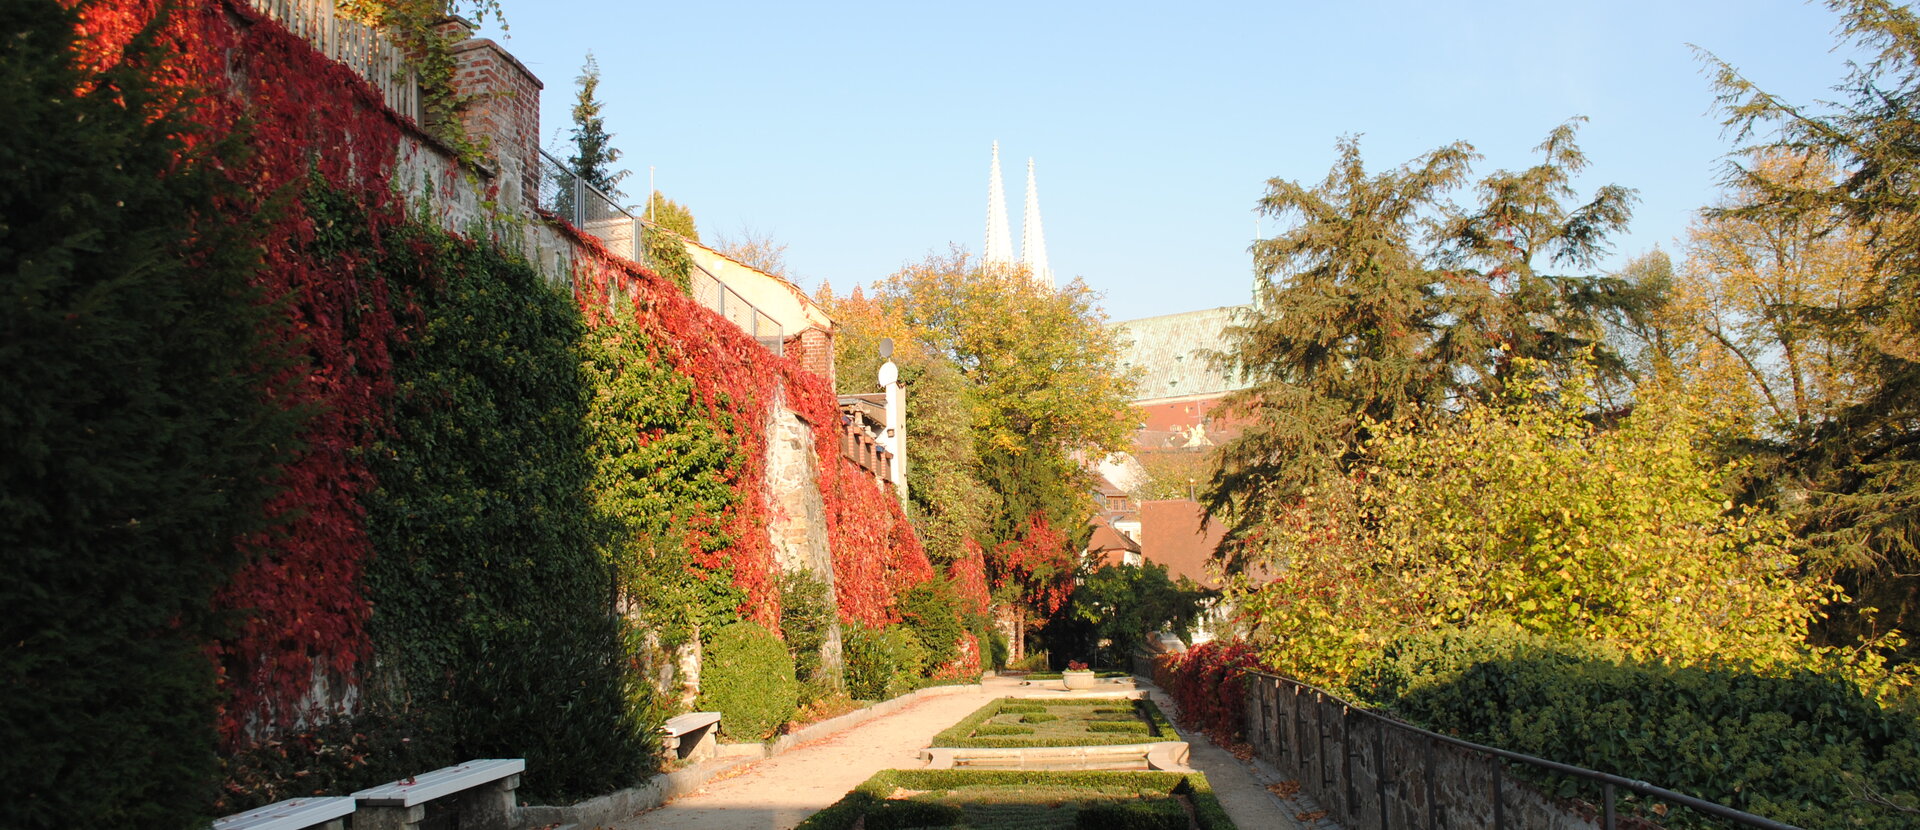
(999, 250)
(1033, 238)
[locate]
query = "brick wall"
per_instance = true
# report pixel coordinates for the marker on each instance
(504, 115)
(813, 348)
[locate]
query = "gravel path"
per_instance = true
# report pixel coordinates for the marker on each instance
(780, 792)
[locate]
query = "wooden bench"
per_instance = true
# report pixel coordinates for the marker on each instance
(291, 814)
(480, 792)
(692, 735)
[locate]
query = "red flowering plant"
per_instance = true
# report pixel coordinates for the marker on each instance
(1075, 665)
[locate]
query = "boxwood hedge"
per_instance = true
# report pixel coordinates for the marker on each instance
(870, 799)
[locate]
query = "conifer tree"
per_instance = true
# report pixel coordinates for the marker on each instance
(593, 150)
(1386, 300)
(1854, 483)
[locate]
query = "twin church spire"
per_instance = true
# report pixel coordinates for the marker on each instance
(1033, 239)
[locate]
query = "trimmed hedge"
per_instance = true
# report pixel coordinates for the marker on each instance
(871, 797)
(1037, 717)
(1799, 747)
(746, 675)
(974, 731)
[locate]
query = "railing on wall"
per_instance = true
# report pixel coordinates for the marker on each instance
(1371, 770)
(358, 45)
(591, 210)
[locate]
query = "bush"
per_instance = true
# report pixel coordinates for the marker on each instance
(806, 617)
(931, 612)
(1128, 726)
(993, 729)
(747, 676)
(872, 795)
(1205, 683)
(1796, 746)
(1137, 814)
(882, 663)
(1037, 717)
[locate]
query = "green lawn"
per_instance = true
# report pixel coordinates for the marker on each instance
(1016, 722)
(1027, 800)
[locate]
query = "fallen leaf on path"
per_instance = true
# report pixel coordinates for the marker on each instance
(1285, 789)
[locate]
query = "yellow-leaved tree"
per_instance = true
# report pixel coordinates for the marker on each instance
(1525, 512)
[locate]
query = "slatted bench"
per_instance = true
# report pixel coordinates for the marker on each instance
(476, 795)
(291, 814)
(692, 735)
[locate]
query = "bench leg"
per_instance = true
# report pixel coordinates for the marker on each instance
(389, 818)
(490, 807)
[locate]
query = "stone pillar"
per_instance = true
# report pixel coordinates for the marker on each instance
(503, 115)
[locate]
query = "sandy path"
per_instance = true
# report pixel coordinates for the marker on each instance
(780, 792)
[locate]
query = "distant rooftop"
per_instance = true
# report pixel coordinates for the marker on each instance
(1171, 352)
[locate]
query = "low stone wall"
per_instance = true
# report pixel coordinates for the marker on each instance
(1367, 773)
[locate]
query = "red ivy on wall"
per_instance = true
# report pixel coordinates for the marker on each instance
(876, 555)
(300, 116)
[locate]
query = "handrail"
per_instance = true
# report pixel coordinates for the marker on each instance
(1608, 781)
(594, 212)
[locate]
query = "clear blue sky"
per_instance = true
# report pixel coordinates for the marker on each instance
(858, 134)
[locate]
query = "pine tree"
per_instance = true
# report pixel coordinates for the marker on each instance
(1854, 483)
(1386, 301)
(593, 150)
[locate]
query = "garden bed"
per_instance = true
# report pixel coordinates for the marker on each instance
(1021, 722)
(1021, 800)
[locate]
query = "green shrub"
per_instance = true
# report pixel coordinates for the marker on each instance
(930, 611)
(989, 729)
(1020, 708)
(1794, 746)
(882, 663)
(1129, 726)
(894, 814)
(806, 618)
(998, 649)
(872, 795)
(1038, 717)
(747, 676)
(1138, 814)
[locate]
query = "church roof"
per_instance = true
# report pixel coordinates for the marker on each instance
(1170, 352)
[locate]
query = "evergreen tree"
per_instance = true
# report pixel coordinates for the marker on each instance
(593, 150)
(1385, 300)
(1854, 482)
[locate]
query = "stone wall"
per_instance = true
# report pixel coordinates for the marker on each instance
(798, 525)
(1367, 773)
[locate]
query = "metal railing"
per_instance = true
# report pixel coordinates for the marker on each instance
(361, 47)
(591, 210)
(1289, 742)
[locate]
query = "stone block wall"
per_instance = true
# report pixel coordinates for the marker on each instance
(1366, 773)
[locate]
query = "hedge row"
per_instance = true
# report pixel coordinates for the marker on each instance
(1799, 747)
(870, 801)
(973, 731)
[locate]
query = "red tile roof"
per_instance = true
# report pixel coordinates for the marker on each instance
(1170, 535)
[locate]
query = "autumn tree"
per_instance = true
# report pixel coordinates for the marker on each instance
(1385, 299)
(1522, 512)
(757, 249)
(1023, 382)
(1852, 482)
(1748, 295)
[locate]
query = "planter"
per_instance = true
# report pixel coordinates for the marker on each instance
(1077, 679)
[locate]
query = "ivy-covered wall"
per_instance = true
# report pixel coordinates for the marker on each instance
(405, 502)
